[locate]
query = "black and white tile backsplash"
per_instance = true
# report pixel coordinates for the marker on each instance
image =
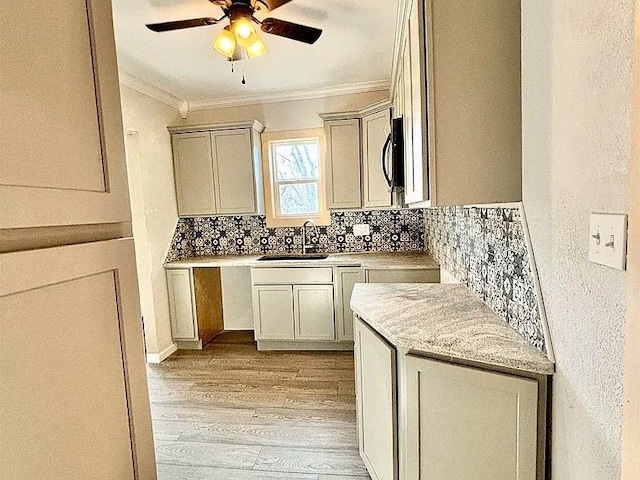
(390, 230)
(485, 248)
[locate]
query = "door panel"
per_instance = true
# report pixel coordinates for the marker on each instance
(375, 129)
(193, 169)
(72, 365)
(273, 312)
(181, 309)
(468, 423)
(375, 364)
(347, 278)
(344, 188)
(233, 169)
(62, 150)
(314, 312)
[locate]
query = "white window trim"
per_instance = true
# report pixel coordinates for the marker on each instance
(271, 193)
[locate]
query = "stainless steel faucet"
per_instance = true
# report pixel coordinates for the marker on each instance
(308, 221)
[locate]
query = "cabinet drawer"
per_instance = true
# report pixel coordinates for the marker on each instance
(403, 276)
(292, 275)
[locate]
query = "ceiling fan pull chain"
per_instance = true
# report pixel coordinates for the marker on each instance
(244, 82)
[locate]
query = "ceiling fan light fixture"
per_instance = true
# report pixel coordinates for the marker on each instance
(257, 48)
(244, 31)
(225, 43)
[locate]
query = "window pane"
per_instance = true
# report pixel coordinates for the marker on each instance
(296, 160)
(298, 199)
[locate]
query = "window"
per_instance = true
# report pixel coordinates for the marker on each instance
(294, 182)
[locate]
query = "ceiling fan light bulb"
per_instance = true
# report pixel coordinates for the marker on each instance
(257, 48)
(225, 43)
(244, 31)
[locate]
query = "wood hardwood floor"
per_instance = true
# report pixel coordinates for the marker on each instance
(230, 412)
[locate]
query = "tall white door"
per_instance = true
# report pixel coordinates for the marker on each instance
(73, 389)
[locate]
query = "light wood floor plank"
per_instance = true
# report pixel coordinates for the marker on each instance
(231, 412)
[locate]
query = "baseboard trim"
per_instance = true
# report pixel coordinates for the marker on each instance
(293, 345)
(159, 357)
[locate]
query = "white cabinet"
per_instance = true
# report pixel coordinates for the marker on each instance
(273, 312)
(293, 304)
(354, 157)
(375, 364)
(466, 423)
(217, 169)
(375, 129)
(62, 156)
(457, 85)
(81, 409)
(344, 187)
(313, 312)
(181, 305)
(193, 170)
(195, 305)
(346, 278)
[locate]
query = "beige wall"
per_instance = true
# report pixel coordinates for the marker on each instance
(290, 115)
(576, 149)
(150, 168)
(631, 418)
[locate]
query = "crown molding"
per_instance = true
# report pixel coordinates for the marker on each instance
(152, 91)
(290, 95)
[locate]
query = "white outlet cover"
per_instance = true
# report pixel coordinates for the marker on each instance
(361, 229)
(608, 240)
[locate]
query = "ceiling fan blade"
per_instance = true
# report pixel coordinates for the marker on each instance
(294, 31)
(273, 4)
(194, 22)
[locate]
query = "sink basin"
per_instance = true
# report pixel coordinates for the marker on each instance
(293, 256)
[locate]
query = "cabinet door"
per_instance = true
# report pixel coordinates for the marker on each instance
(235, 184)
(375, 362)
(375, 129)
(419, 186)
(343, 164)
(62, 156)
(468, 423)
(314, 312)
(181, 304)
(193, 169)
(409, 164)
(273, 312)
(346, 278)
(74, 401)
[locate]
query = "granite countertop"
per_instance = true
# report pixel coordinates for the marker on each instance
(373, 260)
(447, 320)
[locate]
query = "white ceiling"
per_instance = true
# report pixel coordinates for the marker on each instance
(355, 47)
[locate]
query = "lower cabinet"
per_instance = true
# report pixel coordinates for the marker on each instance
(195, 305)
(285, 310)
(425, 419)
(375, 364)
(466, 423)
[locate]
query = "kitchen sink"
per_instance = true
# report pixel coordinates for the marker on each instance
(294, 256)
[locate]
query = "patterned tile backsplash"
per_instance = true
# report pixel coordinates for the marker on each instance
(390, 230)
(485, 248)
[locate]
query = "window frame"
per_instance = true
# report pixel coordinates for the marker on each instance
(271, 184)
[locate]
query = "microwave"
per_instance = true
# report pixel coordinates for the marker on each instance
(392, 160)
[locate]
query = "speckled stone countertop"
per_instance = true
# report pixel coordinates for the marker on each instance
(377, 260)
(447, 320)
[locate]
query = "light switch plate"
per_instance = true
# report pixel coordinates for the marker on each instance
(361, 229)
(608, 240)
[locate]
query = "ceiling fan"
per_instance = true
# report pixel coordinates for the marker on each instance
(240, 33)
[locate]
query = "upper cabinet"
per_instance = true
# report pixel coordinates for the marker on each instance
(457, 85)
(217, 169)
(354, 157)
(62, 158)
